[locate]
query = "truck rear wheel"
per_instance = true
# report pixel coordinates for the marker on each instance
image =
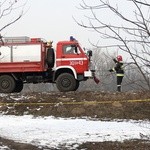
(7, 84)
(66, 82)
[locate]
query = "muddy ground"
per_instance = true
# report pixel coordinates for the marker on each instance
(97, 105)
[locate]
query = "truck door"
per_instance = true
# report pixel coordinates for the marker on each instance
(73, 55)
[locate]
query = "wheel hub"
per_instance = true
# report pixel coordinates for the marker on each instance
(5, 84)
(66, 82)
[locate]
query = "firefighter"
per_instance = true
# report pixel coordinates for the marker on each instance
(119, 71)
(49, 44)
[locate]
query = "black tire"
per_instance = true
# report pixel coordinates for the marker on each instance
(7, 84)
(19, 86)
(66, 82)
(50, 57)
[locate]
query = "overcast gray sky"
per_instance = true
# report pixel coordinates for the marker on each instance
(51, 20)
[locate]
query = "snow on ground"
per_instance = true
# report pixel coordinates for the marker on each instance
(53, 132)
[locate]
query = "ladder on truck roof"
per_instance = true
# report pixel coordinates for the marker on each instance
(19, 39)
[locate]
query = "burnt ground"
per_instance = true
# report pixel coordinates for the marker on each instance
(97, 105)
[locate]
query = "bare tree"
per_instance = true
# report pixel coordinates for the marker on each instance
(10, 12)
(130, 30)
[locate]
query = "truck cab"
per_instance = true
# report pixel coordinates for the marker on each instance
(72, 61)
(70, 54)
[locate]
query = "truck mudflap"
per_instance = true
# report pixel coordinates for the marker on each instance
(96, 80)
(91, 74)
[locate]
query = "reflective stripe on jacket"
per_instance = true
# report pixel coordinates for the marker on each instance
(119, 75)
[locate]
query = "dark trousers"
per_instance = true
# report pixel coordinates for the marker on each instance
(119, 81)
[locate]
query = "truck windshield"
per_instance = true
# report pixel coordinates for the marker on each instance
(71, 49)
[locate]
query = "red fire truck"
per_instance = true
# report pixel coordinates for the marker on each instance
(33, 60)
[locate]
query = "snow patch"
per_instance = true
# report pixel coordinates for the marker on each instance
(53, 132)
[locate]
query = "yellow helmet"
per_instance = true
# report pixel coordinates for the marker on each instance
(50, 43)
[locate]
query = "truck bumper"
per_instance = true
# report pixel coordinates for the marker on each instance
(89, 74)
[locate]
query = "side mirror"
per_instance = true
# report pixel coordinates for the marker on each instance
(89, 53)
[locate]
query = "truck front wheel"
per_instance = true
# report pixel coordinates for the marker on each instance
(7, 84)
(66, 82)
